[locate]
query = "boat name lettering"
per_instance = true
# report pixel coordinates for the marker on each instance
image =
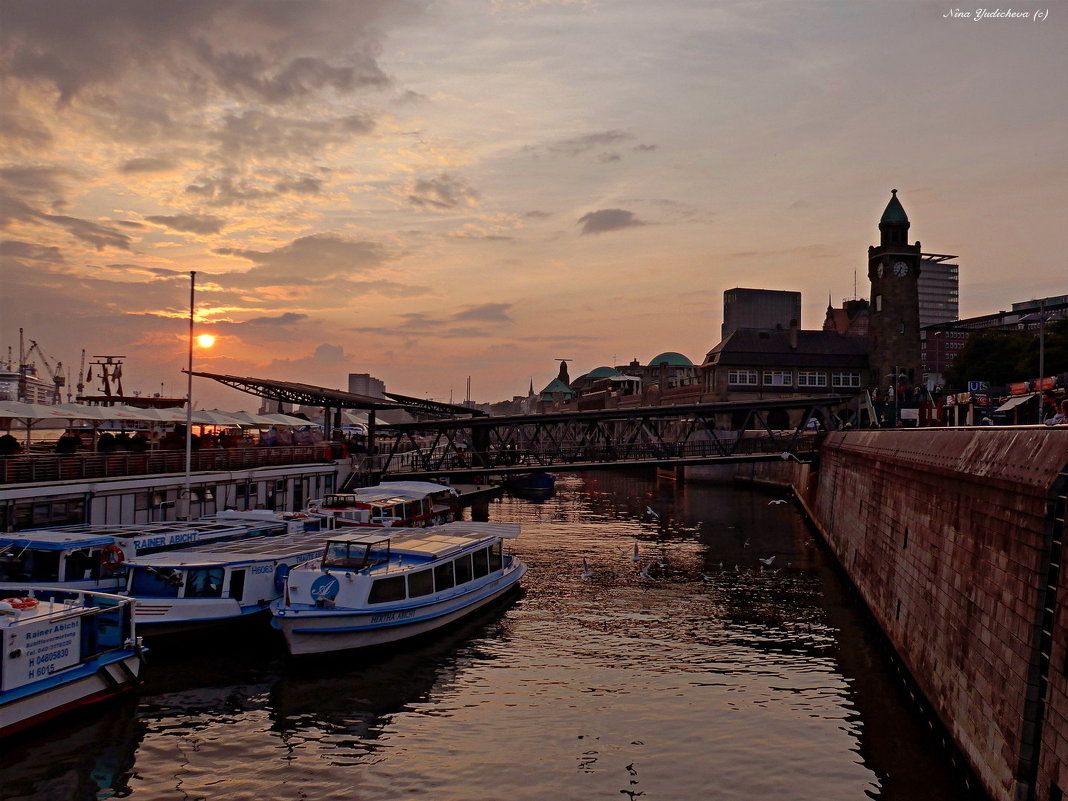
(33, 635)
(389, 617)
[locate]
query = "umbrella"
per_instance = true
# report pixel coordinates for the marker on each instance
(29, 413)
(217, 417)
(287, 420)
(254, 420)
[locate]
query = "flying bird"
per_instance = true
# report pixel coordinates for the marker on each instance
(776, 502)
(767, 560)
(586, 572)
(645, 571)
(651, 512)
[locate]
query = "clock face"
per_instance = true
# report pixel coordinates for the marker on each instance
(901, 269)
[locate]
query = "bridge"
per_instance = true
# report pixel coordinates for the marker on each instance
(696, 434)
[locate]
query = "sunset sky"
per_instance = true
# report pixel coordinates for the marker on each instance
(428, 191)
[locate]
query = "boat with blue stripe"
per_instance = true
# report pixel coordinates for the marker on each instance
(62, 652)
(371, 589)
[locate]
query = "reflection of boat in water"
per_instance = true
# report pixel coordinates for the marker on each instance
(75, 649)
(392, 503)
(531, 485)
(375, 588)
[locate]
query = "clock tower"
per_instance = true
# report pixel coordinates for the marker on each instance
(894, 322)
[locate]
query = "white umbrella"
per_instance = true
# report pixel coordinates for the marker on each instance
(29, 413)
(278, 419)
(255, 420)
(216, 417)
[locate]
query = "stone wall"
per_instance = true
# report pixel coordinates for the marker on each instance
(953, 539)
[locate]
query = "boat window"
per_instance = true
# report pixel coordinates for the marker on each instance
(148, 582)
(463, 569)
(378, 553)
(237, 584)
(481, 558)
(495, 557)
(344, 554)
(421, 583)
(80, 565)
(443, 578)
(26, 564)
(204, 582)
(386, 589)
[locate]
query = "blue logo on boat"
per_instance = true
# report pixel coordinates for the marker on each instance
(325, 588)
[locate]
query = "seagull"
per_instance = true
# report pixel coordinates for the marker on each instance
(586, 572)
(645, 571)
(635, 556)
(776, 502)
(631, 770)
(707, 577)
(652, 512)
(767, 560)
(746, 543)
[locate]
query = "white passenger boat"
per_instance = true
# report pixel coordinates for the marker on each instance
(72, 649)
(399, 504)
(374, 588)
(87, 557)
(216, 583)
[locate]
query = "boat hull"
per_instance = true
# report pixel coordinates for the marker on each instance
(316, 632)
(103, 679)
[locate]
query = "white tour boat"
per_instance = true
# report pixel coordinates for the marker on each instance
(216, 583)
(72, 649)
(88, 557)
(398, 504)
(374, 588)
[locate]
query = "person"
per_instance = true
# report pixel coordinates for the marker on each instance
(1061, 417)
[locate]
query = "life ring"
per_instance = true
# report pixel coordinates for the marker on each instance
(111, 557)
(20, 603)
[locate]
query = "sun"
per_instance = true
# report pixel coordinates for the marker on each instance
(206, 340)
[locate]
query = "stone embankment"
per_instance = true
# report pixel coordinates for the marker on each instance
(954, 538)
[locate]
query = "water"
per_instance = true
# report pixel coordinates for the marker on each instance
(703, 682)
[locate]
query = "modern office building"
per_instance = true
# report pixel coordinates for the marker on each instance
(366, 384)
(764, 309)
(939, 289)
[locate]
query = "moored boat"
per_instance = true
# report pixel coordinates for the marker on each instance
(92, 557)
(531, 484)
(214, 584)
(67, 651)
(373, 588)
(399, 504)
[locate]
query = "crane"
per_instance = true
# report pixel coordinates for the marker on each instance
(55, 373)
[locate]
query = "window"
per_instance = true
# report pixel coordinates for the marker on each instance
(443, 578)
(421, 583)
(845, 379)
(778, 378)
(237, 584)
(152, 583)
(82, 564)
(481, 563)
(742, 377)
(386, 589)
(204, 582)
(495, 557)
(463, 569)
(811, 378)
(878, 303)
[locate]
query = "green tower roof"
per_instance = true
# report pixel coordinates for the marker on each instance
(895, 212)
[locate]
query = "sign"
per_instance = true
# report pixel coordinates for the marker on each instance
(910, 414)
(1022, 388)
(1046, 383)
(43, 648)
(981, 399)
(978, 386)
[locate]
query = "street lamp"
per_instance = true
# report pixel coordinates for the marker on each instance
(205, 341)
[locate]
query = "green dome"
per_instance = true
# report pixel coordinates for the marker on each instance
(672, 358)
(894, 212)
(602, 372)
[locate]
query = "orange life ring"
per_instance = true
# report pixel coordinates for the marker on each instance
(21, 603)
(111, 557)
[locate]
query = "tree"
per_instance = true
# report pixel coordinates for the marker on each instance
(1005, 357)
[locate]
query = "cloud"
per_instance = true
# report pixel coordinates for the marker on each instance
(255, 131)
(189, 223)
(442, 192)
(578, 145)
(148, 164)
(307, 260)
(287, 318)
(486, 312)
(227, 190)
(28, 250)
(305, 185)
(598, 222)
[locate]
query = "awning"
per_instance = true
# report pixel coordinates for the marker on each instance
(1012, 403)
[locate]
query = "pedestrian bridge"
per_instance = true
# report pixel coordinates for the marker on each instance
(668, 436)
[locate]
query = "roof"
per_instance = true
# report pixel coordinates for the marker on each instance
(671, 358)
(602, 372)
(749, 347)
(894, 212)
(556, 385)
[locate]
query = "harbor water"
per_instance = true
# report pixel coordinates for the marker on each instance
(729, 660)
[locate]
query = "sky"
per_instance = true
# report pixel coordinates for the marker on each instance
(432, 192)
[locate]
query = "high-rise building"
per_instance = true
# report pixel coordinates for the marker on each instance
(938, 286)
(761, 309)
(366, 384)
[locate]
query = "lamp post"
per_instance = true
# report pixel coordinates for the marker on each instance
(187, 493)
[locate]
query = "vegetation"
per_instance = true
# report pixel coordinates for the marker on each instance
(1005, 357)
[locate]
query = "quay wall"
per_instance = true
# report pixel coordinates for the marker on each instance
(953, 537)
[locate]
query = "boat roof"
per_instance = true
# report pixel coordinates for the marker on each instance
(86, 535)
(436, 540)
(261, 550)
(417, 486)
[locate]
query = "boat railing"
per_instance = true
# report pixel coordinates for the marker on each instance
(37, 468)
(111, 616)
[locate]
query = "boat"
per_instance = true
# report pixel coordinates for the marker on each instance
(64, 652)
(214, 584)
(402, 504)
(531, 484)
(92, 557)
(372, 588)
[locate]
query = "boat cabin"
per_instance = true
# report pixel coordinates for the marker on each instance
(357, 553)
